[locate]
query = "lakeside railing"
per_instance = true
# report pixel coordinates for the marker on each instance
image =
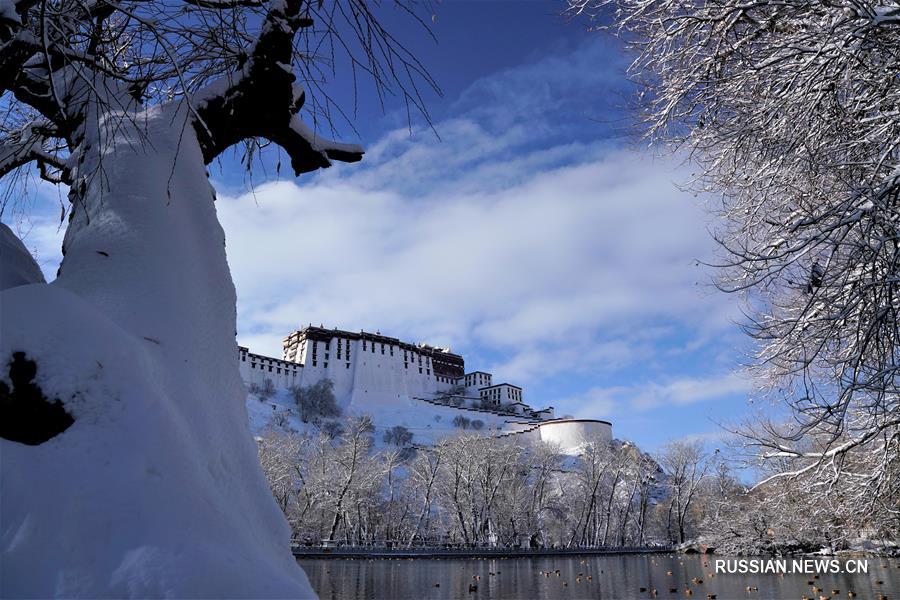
(453, 551)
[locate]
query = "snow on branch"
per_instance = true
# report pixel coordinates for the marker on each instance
(28, 145)
(309, 151)
(262, 99)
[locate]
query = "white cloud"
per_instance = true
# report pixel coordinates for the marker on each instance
(649, 395)
(547, 264)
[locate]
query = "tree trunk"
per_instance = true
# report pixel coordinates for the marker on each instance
(137, 338)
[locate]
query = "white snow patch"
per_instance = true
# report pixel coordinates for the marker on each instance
(17, 266)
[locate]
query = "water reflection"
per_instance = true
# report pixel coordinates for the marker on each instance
(573, 578)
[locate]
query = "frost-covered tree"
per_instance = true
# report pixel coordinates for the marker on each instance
(398, 435)
(316, 401)
(262, 391)
(685, 466)
(461, 422)
(788, 111)
(128, 103)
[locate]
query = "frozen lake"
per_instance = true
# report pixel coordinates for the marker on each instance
(617, 577)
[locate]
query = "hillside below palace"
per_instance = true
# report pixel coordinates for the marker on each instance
(375, 371)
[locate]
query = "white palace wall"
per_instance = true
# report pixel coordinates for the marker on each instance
(371, 376)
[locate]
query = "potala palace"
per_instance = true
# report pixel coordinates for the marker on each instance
(418, 386)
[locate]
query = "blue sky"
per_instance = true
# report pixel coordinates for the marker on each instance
(534, 236)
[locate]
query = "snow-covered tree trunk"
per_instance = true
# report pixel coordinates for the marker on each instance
(155, 489)
(128, 468)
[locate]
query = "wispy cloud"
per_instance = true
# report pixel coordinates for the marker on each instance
(649, 395)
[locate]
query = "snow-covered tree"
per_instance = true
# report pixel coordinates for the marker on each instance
(155, 488)
(685, 466)
(788, 111)
(398, 436)
(316, 401)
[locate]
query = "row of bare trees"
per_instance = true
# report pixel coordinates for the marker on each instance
(479, 490)
(489, 491)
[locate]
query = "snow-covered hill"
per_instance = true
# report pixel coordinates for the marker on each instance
(427, 421)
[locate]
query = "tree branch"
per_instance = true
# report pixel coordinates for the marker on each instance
(262, 99)
(28, 146)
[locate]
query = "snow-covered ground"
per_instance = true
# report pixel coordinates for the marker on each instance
(426, 421)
